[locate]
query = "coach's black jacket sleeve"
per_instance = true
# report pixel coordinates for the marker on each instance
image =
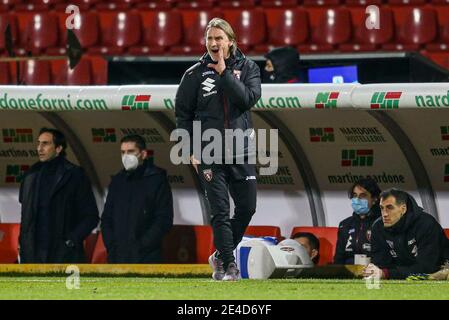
(186, 100)
(243, 94)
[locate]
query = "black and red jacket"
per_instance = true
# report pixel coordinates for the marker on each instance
(354, 236)
(416, 244)
(219, 101)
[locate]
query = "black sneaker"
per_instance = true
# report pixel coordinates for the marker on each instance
(232, 273)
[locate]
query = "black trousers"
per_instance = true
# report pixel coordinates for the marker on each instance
(240, 182)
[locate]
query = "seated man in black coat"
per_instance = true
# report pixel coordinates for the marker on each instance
(139, 207)
(354, 232)
(405, 240)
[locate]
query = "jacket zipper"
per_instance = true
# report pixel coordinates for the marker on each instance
(358, 235)
(225, 107)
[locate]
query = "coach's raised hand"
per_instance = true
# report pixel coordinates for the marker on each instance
(220, 66)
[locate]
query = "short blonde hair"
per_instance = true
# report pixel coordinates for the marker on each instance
(227, 29)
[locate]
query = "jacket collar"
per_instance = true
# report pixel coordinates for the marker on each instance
(413, 213)
(372, 215)
(146, 169)
(62, 172)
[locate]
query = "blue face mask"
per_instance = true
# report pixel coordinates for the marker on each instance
(360, 206)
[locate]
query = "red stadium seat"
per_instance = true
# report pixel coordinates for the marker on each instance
(194, 24)
(439, 57)
(202, 4)
(330, 27)
(41, 33)
(5, 20)
(249, 26)
(35, 72)
(324, 3)
(6, 5)
(45, 2)
(9, 242)
(130, 2)
(279, 3)
(119, 4)
(291, 27)
(99, 255)
(87, 29)
(365, 39)
(363, 3)
(407, 2)
(99, 69)
(263, 231)
(328, 241)
(446, 231)
(80, 75)
(155, 5)
(113, 6)
(10, 2)
(188, 244)
(123, 31)
(81, 4)
(442, 42)
(38, 5)
(414, 27)
(162, 30)
(243, 4)
(5, 73)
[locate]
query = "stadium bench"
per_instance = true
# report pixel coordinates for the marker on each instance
(9, 242)
(263, 231)
(328, 241)
(188, 244)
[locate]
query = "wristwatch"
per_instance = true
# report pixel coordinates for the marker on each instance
(70, 243)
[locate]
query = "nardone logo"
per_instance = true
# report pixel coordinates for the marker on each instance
(446, 173)
(433, 101)
(357, 158)
(136, 102)
(326, 100)
(445, 133)
(15, 172)
(321, 134)
(385, 100)
(17, 135)
(100, 135)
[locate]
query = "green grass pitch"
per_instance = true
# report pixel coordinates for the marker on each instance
(200, 288)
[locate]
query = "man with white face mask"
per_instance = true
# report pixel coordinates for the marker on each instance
(139, 207)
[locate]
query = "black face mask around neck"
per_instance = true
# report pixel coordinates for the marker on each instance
(268, 76)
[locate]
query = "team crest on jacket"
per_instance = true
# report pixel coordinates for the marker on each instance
(208, 175)
(368, 235)
(237, 73)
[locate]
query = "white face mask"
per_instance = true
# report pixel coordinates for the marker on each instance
(130, 162)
